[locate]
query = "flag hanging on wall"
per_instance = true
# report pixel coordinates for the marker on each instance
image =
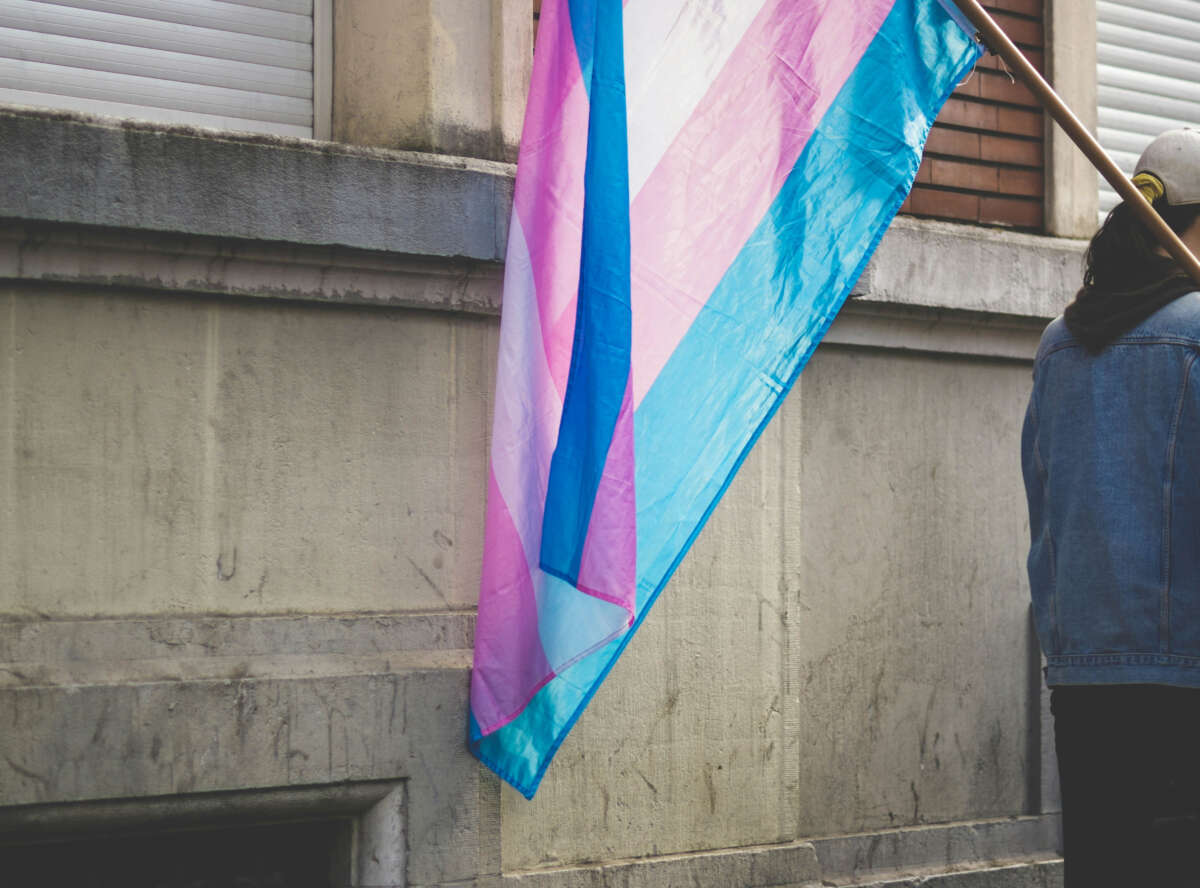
(700, 183)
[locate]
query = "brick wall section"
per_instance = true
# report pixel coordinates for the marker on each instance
(984, 159)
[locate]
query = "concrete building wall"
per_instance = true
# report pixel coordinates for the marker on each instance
(244, 413)
(190, 457)
(846, 648)
(447, 76)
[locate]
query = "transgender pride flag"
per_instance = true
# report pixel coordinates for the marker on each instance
(700, 184)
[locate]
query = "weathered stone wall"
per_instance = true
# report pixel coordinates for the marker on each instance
(183, 456)
(244, 411)
(447, 76)
(846, 647)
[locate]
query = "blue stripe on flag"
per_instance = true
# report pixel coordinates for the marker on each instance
(773, 306)
(583, 28)
(603, 321)
(803, 258)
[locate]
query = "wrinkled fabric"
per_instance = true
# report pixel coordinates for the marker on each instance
(767, 145)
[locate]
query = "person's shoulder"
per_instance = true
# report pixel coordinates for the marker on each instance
(1055, 336)
(1178, 319)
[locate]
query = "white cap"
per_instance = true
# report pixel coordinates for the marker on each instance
(1174, 159)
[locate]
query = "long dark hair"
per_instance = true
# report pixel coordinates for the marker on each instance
(1125, 278)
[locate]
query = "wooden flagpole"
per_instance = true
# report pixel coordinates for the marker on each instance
(998, 42)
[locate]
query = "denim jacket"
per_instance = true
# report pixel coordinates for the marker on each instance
(1111, 458)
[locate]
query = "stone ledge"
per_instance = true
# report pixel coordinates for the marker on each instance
(1020, 874)
(108, 743)
(882, 325)
(31, 823)
(919, 266)
(83, 170)
(855, 857)
(79, 653)
(74, 255)
(773, 866)
(193, 637)
(97, 258)
(317, 203)
(1013, 853)
(922, 263)
(78, 674)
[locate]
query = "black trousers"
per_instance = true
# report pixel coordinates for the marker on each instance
(1129, 768)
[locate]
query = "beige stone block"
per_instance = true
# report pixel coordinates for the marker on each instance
(1072, 183)
(350, 457)
(914, 657)
(104, 447)
(447, 76)
(175, 455)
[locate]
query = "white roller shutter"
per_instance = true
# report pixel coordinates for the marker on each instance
(1148, 73)
(231, 64)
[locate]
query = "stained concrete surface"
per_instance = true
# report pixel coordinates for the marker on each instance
(98, 171)
(171, 456)
(448, 76)
(915, 659)
(846, 648)
(184, 476)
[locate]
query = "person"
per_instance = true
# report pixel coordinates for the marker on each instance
(1110, 454)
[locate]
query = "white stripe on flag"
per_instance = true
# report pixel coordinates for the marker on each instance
(674, 49)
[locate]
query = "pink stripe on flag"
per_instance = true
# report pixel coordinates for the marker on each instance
(724, 169)
(510, 665)
(608, 566)
(549, 190)
(528, 409)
